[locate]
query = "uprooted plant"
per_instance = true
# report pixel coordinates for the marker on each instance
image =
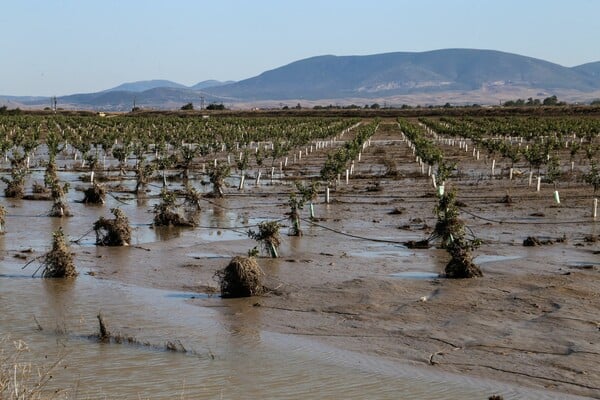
(168, 213)
(267, 236)
(242, 277)
(114, 231)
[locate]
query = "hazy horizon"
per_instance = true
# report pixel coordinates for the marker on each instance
(65, 47)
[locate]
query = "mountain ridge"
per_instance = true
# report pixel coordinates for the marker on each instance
(463, 73)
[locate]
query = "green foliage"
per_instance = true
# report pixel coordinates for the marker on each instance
(215, 106)
(336, 162)
(535, 155)
(593, 177)
(553, 170)
(444, 170)
(243, 162)
(187, 107)
(267, 236)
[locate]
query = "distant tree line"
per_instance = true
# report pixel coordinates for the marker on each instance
(5, 110)
(531, 102)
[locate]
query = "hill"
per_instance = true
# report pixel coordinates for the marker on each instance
(590, 69)
(433, 77)
(140, 86)
(392, 74)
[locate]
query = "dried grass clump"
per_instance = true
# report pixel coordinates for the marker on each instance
(96, 194)
(21, 379)
(241, 278)
(113, 232)
(58, 262)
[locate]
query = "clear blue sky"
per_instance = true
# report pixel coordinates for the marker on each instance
(58, 47)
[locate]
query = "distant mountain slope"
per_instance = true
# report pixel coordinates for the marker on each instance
(457, 75)
(140, 86)
(209, 83)
(160, 97)
(402, 73)
(591, 69)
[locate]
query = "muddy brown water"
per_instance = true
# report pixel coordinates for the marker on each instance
(226, 357)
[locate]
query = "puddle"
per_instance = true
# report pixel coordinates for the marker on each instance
(584, 265)
(210, 256)
(17, 276)
(415, 275)
(485, 258)
(385, 250)
(192, 295)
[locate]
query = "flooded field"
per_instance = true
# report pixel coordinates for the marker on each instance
(351, 311)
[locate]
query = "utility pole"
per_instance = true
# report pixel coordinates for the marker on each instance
(202, 102)
(54, 104)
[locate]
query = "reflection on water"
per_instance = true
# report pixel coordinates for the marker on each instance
(229, 356)
(416, 275)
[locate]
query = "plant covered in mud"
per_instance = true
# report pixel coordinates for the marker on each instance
(15, 186)
(169, 213)
(142, 172)
(113, 232)
(95, 194)
(59, 205)
(296, 204)
(451, 232)
(217, 175)
(192, 198)
(58, 262)
(2, 218)
(267, 236)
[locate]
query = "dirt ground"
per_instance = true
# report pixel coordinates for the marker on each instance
(532, 320)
